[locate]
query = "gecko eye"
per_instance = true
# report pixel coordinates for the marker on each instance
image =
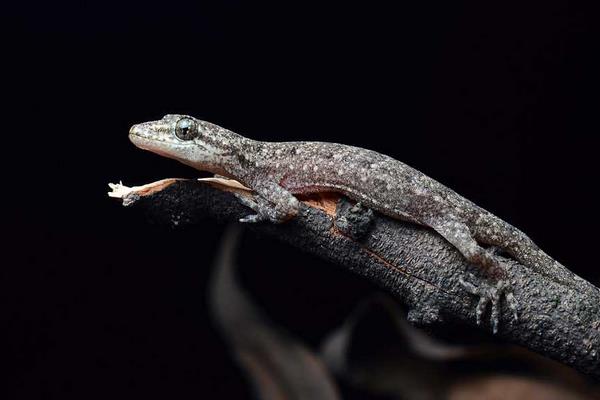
(185, 129)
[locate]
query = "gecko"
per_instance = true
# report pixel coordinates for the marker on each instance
(279, 171)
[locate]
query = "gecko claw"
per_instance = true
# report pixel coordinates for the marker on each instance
(253, 205)
(251, 218)
(491, 294)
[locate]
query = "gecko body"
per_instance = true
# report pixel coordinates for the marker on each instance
(277, 171)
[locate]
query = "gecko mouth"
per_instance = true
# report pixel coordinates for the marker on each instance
(142, 142)
(154, 145)
(166, 147)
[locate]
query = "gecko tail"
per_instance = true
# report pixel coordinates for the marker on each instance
(529, 254)
(524, 250)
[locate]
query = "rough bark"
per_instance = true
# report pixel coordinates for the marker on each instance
(412, 263)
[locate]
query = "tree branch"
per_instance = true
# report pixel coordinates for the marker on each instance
(413, 263)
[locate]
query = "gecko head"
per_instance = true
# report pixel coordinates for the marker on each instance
(191, 141)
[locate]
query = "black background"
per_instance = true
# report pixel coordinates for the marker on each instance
(499, 102)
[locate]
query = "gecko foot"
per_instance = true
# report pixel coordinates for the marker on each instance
(266, 210)
(490, 293)
(251, 204)
(251, 218)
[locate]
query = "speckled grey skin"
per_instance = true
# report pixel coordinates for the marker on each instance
(278, 171)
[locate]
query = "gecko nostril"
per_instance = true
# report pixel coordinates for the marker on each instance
(133, 130)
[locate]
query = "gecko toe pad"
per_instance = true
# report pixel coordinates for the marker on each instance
(253, 205)
(251, 218)
(491, 294)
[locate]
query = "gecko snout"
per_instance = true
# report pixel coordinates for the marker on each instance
(134, 130)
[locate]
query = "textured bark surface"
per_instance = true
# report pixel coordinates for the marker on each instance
(412, 263)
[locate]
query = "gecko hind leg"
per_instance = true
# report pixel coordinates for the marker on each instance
(493, 294)
(460, 236)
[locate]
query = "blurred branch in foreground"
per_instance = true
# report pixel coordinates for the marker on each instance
(279, 366)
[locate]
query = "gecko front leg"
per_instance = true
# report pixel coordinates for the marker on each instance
(271, 203)
(461, 237)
